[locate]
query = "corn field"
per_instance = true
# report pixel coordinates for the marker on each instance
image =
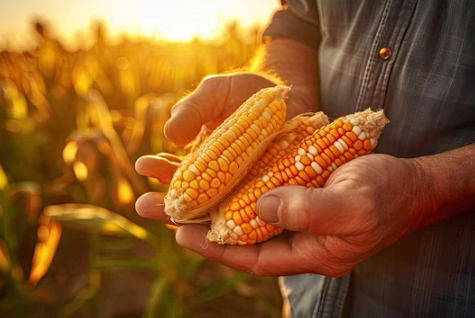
(72, 124)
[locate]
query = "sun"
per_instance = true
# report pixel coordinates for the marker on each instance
(177, 20)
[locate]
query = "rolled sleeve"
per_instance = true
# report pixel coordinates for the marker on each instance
(298, 21)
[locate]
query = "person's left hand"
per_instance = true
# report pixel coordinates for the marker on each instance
(366, 205)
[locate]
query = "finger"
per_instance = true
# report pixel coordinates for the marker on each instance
(150, 206)
(320, 211)
(278, 256)
(169, 156)
(214, 100)
(203, 105)
(300, 101)
(156, 167)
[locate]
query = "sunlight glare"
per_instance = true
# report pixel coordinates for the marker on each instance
(178, 20)
(124, 191)
(45, 250)
(80, 170)
(185, 19)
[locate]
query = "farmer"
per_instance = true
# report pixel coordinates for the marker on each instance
(391, 234)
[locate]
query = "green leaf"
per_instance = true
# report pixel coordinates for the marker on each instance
(97, 220)
(148, 264)
(26, 188)
(219, 288)
(76, 303)
(157, 292)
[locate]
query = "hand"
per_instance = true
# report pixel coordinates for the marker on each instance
(216, 98)
(366, 205)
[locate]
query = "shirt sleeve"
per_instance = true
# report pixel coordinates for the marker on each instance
(298, 20)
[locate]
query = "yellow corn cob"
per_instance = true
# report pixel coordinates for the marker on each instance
(211, 171)
(309, 164)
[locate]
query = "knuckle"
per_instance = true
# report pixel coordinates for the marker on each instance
(307, 208)
(307, 203)
(367, 198)
(295, 210)
(212, 80)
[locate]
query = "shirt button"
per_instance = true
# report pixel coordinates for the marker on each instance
(385, 53)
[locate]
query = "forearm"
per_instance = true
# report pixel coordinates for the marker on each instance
(295, 64)
(446, 184)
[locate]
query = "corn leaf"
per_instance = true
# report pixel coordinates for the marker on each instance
(5, 262)
(147, 264)
(157, 292)
(3, 179)
(219, 288)
(49, 234)
(97, 220)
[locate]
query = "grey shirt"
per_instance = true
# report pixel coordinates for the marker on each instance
(416, 60)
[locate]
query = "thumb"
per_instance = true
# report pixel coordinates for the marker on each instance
(319, 211)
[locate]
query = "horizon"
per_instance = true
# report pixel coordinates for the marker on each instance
(174, 22)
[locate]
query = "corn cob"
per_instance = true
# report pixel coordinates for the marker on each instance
(286, 142)
(309, 164)
(305, 125)
(211, 171)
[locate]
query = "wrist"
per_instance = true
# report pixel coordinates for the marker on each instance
(447, 183)
(421, 184)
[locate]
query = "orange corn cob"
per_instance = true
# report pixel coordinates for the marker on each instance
(310, 164)
(285, 143)
(212, 170)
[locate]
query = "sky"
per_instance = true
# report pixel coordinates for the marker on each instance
(177, 20)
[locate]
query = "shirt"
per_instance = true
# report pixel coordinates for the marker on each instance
(416, 60)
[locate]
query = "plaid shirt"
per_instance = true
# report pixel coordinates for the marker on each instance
(416, 60)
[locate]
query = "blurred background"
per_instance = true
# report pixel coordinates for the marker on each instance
(85, 89)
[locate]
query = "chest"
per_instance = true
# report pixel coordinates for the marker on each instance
(414, 59)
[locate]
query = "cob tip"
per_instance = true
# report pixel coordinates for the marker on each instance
(373, 122)
(281, 91)
(219, 232)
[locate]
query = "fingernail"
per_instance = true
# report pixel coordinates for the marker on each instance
(268, 209)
